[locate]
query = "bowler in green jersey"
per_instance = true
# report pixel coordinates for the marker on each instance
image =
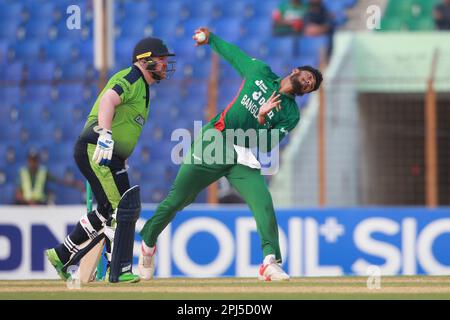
(265, 102)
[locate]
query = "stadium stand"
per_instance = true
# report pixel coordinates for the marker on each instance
(48, 83)
(414, 15)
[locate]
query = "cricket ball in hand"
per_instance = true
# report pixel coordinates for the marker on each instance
(200, 37)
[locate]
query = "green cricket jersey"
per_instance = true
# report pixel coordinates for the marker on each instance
(130, 115)
(259, 82)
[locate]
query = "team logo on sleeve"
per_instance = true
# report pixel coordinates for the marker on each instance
(140, 120)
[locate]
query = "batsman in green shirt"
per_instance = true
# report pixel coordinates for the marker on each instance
(110, 134)
(265, 103)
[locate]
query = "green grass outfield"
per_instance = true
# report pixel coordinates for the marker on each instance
(426, 287)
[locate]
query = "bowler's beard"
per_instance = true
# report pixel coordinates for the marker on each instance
(296, 86)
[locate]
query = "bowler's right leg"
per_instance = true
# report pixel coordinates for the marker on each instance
(190, 181)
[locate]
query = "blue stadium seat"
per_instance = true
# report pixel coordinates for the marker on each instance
(277, 65)
(12, 71)
(3, 51)
(135, 27)
(311, 46)
(39, 92)
(194, 69)
(57, 168)
(9, 115)
(168, 9)
(7, 193)
(41, 71)
(194, 90)
(64, 33)
(254, 46)
(9, 28)
(73, 93)
(10, 131)
(161, 153)
(67, 195)
(40, 10)
(202, 9)
(61, 51)
(337, 8)
(10, 95)
(77, 70)
(124, 49)
(4, 159)
(86, 51)
(302, 100)
(10, 157)
(80, 112)
(190, 25)
(307, 61)
(59, 112)
(169, 30)
(134, 174)
(334, 5)
(258, 27)
(228, 72)
(228, 28)
(38, 29)
(281, 47)
(31, 112)
(32, 134)
(11, 9)
(264, 9)
(227, 92)
(137, 9)
(29, 50)
(192, 109)
(3, 175)
(236, 8)
(60, 152)
(186, 49)
(155, 171)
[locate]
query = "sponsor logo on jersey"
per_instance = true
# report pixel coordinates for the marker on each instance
(140, 120)
(261, 85)
(256, 100)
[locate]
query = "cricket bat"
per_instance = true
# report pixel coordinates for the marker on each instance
(91, 261)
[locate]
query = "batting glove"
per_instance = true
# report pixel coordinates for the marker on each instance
(104, 150)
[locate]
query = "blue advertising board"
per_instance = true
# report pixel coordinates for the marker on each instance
(222, 241)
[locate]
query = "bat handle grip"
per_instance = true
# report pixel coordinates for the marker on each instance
(88, 197)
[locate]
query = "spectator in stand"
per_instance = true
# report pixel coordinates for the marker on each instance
(319, 21)
(32, 183)
(441, 15)
(287, 19)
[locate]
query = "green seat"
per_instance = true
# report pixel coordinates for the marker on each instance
(393, 24)
(409, 15)
(422, 24)
(399, 9)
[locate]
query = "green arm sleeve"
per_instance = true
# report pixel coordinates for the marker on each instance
(232, 53)
(123, 89)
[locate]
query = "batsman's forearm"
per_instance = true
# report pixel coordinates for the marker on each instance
(106, 111)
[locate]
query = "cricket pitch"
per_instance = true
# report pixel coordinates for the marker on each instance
(405, 287)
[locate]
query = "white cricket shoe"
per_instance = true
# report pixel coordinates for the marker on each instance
(146, 264)
(272, 271)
